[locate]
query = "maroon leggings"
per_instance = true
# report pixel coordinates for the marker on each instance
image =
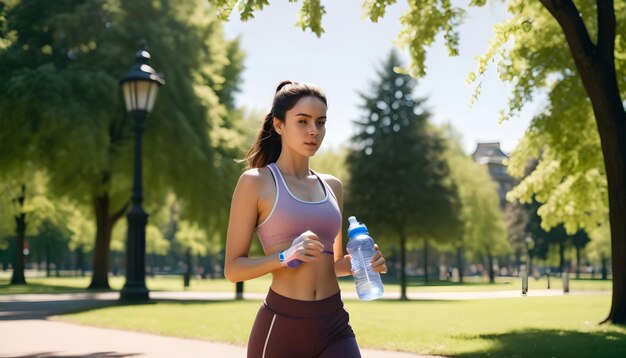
(290, 328)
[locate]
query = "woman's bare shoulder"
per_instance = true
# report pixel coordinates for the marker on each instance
(334, 182)
(254, 178)
(330, 179)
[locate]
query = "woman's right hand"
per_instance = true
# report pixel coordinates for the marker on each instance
(305, 248)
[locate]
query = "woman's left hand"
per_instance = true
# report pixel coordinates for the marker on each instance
(378, 261)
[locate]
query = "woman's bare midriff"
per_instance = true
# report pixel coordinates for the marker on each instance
(311, 281)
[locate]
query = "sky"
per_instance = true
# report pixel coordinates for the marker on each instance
(344, 60)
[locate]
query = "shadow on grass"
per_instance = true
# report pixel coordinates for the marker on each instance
(104, 304)
(37, 288)
(25, 309)
(552, 343)
(152, 302)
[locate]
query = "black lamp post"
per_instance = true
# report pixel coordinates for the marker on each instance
(140, 86)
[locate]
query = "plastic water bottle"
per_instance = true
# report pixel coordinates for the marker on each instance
(361, 247)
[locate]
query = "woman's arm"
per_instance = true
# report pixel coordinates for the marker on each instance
(342, 262)
(242, 221)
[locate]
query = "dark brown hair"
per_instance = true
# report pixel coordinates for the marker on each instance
(267, 146)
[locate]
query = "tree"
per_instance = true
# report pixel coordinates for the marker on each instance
(558, 237)
(561, 46)
(516, 216)
(483, 234)
(25, 197)
(579, 240)
(570, 181)
(51, 243)
(553, 236)
(60, 106)
(599, 248)
(399, 183)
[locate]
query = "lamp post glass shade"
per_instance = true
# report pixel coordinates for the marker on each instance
(141, 84)
(140, 95)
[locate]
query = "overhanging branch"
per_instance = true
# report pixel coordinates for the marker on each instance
(568, 17)
(116, 216)
(606, 29)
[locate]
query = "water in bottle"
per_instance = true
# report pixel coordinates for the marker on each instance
(361, 247)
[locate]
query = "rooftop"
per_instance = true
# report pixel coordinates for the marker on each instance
(489, 152)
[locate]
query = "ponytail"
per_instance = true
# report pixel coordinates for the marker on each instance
(268, 145)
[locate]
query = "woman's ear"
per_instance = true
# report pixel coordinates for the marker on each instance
(278, 126)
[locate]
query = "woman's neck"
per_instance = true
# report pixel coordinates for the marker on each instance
(298, 167)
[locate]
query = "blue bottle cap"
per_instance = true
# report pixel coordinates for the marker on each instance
(356, 227)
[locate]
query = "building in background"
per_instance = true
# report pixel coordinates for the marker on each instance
(490, 154)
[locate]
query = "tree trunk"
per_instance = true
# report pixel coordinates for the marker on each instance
(80, 258)
(115, 263)
(596, 65)
(102, 248)
(403, 295)
(100, 265)
(459, 262)
(187, 276)
(605, 274)
(152, 264)
(48, 259)
(613, 138)
(239, 291)
(17, 278)
(425, 260)
(561, 257)
(492, 274)
(577, 262)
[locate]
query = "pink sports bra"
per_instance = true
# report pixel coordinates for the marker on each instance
(291, 216)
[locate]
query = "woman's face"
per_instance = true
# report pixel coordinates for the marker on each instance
(304, 127)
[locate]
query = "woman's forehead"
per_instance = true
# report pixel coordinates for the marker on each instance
(309, 105)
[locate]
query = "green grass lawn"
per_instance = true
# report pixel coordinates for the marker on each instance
(260, 285)
(559, 326)
(562, 326)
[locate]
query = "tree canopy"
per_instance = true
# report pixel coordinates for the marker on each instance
(61, 106)
(484, 233)
(399, 180)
